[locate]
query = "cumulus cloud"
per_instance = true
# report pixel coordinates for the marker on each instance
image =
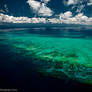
(66, 18)
(35, 5)
(76, 4)
(89, 3)
(65, 15)
(11, 19)
(72, 2)
(40, 7)
(44, 11)
(78, 19)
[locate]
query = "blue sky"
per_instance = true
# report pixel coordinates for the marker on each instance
(16, 7)
(21, 7)
(46, 9)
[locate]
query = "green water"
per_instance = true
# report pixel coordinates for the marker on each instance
(60, 57)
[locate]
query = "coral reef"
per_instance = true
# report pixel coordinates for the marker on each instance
(59, 57)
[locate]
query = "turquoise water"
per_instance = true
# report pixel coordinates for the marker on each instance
(55, 52)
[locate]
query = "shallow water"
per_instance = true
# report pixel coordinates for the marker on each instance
(44, 58)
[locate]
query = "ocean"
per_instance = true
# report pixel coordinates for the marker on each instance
(46, 59)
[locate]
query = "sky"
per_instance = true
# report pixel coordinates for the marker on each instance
(46, 11)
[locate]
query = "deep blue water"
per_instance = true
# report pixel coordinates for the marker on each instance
(19, 72)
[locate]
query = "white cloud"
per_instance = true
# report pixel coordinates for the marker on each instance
(44, 11)
(65, 15)
(12, 19)
(74, 2)
(54, 20)
(35, 5)
(40, 7)
(71, 2)
(89, 3)
(66, 18)
(78, 19)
